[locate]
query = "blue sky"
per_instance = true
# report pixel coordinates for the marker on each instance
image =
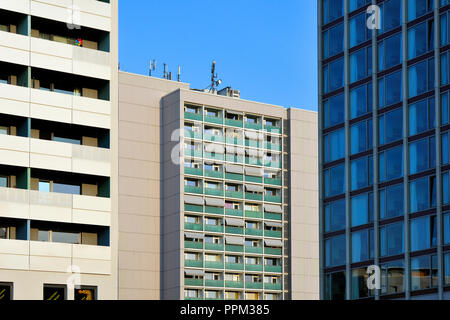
(264, 48)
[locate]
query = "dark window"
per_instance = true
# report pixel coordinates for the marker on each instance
(361, 100)
(423, 233)
(335, 286)
(335, 216)
(55, 292)
(420, 39)
(392, 239)
(424, 272)
(86, 293)
(391, 202)
(334, 111)
(422, 194)
(359, 284)
(393, 277)
(335, 250)
(422, 116)
(391, 126)
(390, 52)
(6, 291)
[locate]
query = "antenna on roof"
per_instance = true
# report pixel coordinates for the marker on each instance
(152, 67)
(179, 74)
(214, 81)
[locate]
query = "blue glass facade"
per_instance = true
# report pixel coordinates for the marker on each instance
(384, 149)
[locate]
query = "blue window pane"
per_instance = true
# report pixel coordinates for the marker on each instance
(332, 10)
(444, 69)
(391, 126)
(361, 100)
(361, 209)
(335, 251)
(420, 234)
(420, 39)
(447, 268)
(445, 188)
(422, 194)
(334, 75)
(391, 164)
(390, 89)
(444, 29)
(358, 29)
(421, 116)
(361, 173)
(445, 148)
(334, 111)
(421, 77)
(355, 4)
(417, 8)
(390, 52)
(422, 155)
(359, 64)
(361, 136)
(360, 246)
(391, 202)
(392, 239)
(447, 228)
(390, 15)
(333, 41)
(445, 108)
(334, 144)
(335, 216)
(334, 180)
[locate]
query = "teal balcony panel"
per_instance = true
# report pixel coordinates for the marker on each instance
(214, 246)
(273, 286)
(213, 265)
(213, 137)
(216, 120)
(214, 192)
(234, 266)
(234, 212)
(253, 285)
(275, 182)
(214, 210)
(234, 230)
(193, 153)
(234, 123)
(214, 156)
(273, 216)
(253, 232)
(254, 214)
(275, 199)
(272, 129)
(253, 126)
(273, 269)
(253, 179)
(193, 171)
(193, 245)
(214, 283)
(254, 267)
(234, 176)
(191, 189)
(234, 284)
(193, 116)
(193, 226)
(273, 251)
(214, 174)
(234, 248)
(193, 282)
(273, 234)
(254, 196)
(193, 263)
(193, 208)
(258, 250)
(213, 228)
(234, 194)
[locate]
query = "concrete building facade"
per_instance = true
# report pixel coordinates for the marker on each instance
(58, 162)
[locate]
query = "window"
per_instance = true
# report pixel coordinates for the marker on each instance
(423, 233)
(356, 4)
(390, 89)
(362, 173)
(391, 15)
(4, 182)
(362, 245)
(445, 62)
(390, 52)
(335, 286)
(360, 100)
(359, 284)
(445, 39)
(422, 155)
(423, 194)
(447, 269)
(333, 75)
(422, 116)
(420, 39)
(333, 41)
(55, 292)
(417, 8)
(335, 216)
(361, 136)
(445, 108)
(447, 228)
(4, 130)
(393, 277)
(391, 239)
(66, 188)
(357, 25)
(334, 145)
(66, 237)
(334, 110)
(391, 126)
(424, 272)
(421, 77)
(445, 148)
(445, 188)
(335, 251)
(85, 293)
(6, 291)
(332, 9)
(360, 64)
(391, 202)
(362, 209)
(334, 180)
(191, 293)
(44, 186)
(391, 164)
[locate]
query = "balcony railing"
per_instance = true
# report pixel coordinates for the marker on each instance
(273, 251)
(213, 264)
(257, 250)
(193, 171)
(193, 282)
(276, 269)
(269, 198)
(193, 116)
(193, 226)
(254, 267)
(213, 137)
(253, 285)
(214, 174)
(253, 126)
(273, 181)
(214, 283)
(234, 284)
(234, 176)
(192, 189)
(272, 129)
(234, 194)
(273, 216)
(254, 214)
(273, 234)
(214, 210)
(216, 120)
(234, 248)
(253, 179)
(193, 134)
(234, 123)
(234, 266)
(193, 208)
(214, 192)
(193, 263)
(273, 286)
(234, 212)
(234, 230)
(254, 232)
(254, 196)
(214, 246)
(193, 245)
(214, 228)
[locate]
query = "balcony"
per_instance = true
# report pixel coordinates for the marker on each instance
(273, 216)
(234, 248)
(234, 230)
(213, 210)
(234, 284)
(214, 156)
(214, 228)
(44, 206)
(275, 269)
(272, 181)
(193, 208)
(214, 174)
(253, 179)
(273, 286)
(253, 143)
(193, 282)
(252, 161)
(254, 232)
(273, 234)
(253, 285)
(272, 164)
(193, 116)
(193, 245)
(235, 141)
(273, 251)
(215, 120)
(275, 199)
(213, 137)
(234, 212)
(193, 171)
(254, 214)
(214, 192)
(234, 194)
(193, 263)
(214, 283)
(234, 123)
(193, 226)
(272, 129)
(193, 134)
(234, 266)
(214, 246)
(52, 155)
(253, 126)
(213, 265)
(234, 176)
(193, 189)
(253, 196)
(257, 250)
(234, 158)
(193, 153)
(254, 267)
(272, 146)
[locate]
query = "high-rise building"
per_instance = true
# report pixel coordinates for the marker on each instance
(217, 195)
(384, 148)
(58, 180)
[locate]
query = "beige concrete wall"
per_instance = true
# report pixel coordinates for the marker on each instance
(139, 184)
(304, 197)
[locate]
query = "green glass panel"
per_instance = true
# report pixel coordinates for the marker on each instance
(212, 228)
(272, 199)
(254, 250)
(193, 226)
(273, 234)
(193, 116)
(191, 189)
(213, 265)
(214, 283)
(253, 179)
(193, 208)
(254, 196)
(234, 212)
(234, 123)
(214, 174)
(217, 120)
(276, 182)
(214, 246)
(254, 126)
(193, 263)
(234, 230)
(233, 248)
(215, 210)
(254, 285)
(193, 245)
(254, 214)
(214, 192)
(253, 232)
(234, 284)
(254, 267)
(273, 216)
(193, 282)
(234, 176)
(277, 269)
(193, 171)
(234, 266)
(275, 251)
(272, 286)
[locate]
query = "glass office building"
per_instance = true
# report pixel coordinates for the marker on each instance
(384, 148)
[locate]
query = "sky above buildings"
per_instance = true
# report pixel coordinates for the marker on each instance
(267, 49)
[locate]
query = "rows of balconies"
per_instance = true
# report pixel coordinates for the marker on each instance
(232, 212)
(234, 230)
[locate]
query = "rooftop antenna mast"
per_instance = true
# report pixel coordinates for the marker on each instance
(152, 67)
(215, 82)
